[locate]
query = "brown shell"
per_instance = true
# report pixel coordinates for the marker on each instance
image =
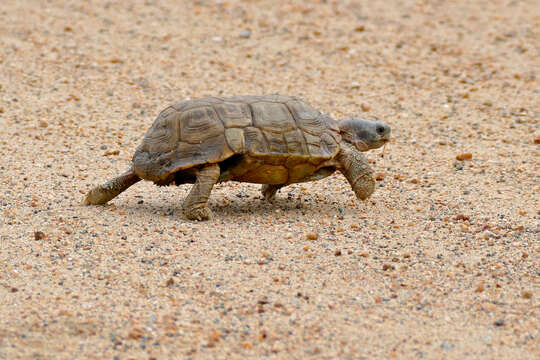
(276, 130)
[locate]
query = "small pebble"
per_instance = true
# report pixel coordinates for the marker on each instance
(365, 107)
(215, 336)
(463, 217)
(142, 82)
(245, 34)
(136, 334)
(446, 346)
(38, 235)
(246, 345)
(263, 301)
(464, 156)
(312, 236)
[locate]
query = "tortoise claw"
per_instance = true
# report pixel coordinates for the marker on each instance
(201, 213)
(269, 191)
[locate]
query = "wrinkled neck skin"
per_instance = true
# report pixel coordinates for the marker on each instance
(346, 134)
(350, 137)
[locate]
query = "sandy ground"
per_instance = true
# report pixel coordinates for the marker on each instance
(443, 262)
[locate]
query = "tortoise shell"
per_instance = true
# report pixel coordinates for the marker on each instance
(281, 137)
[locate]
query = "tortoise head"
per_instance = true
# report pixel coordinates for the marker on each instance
(364, 134)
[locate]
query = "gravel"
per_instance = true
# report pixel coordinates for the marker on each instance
(438, 263)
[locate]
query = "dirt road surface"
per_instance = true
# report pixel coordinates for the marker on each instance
(443, 262)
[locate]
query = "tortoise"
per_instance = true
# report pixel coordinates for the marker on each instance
(274, 140)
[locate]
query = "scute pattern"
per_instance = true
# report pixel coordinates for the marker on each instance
(276, 143)
(285, 135)
(190, 104)
(199, 124)
(296, 143)
(234, 114)
(266, 174)
(255, 141)
(272, 117)
(159, 138)
(210, 151)
(236, 140)
(301, 110)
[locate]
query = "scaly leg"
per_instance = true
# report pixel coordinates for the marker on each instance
(195, 203)
(112, 188)
(269, 190)
(357, 171)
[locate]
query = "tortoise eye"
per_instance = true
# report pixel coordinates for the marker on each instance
(380, 130)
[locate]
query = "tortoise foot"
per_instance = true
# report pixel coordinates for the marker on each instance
(269, 191)
(96, 196)
(202, 213)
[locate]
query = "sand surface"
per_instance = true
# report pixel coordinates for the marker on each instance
(443, 262)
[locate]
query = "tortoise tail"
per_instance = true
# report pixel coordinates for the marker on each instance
(112, 188)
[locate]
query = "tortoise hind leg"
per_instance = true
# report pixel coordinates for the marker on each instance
(195, 203)
(270, 190)
(112, 188)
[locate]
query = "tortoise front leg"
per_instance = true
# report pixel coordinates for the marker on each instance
(270, 190)
(195, 203)
(357, 171)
